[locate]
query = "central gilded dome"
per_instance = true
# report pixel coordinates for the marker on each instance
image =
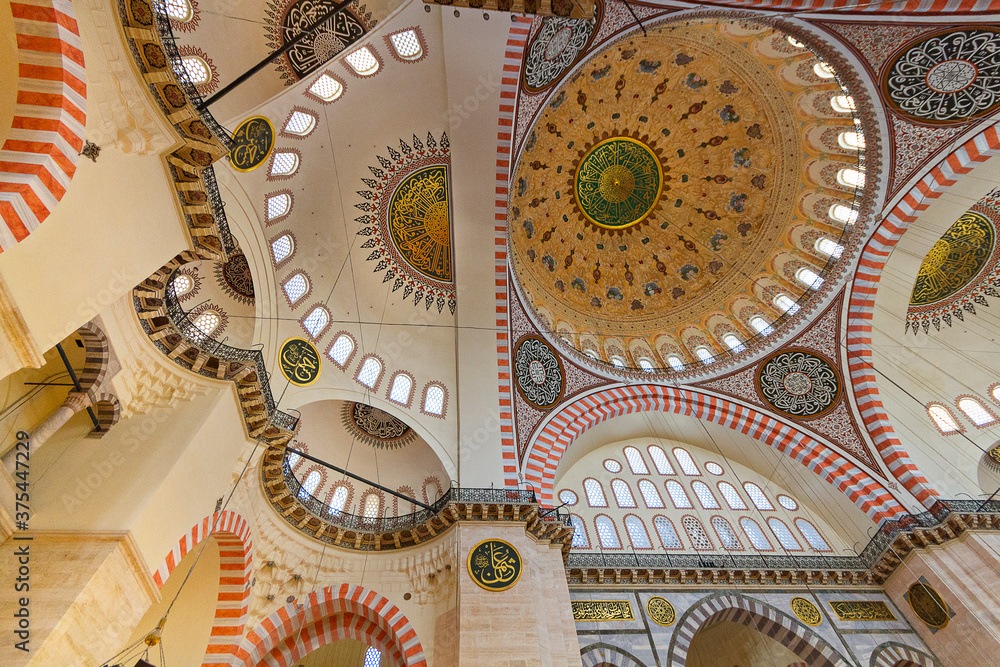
(659, 183)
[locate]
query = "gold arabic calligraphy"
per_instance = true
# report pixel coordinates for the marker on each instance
(252, 143)
(862, 610)
(300, 362)
(602, 610)
(494, 565)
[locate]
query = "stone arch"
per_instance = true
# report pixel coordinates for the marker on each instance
(97, 354)
(108, 411)
(574, 419)
(864, 290)
(336, 612)
(781, 627)
(232, 533)
(894, 654)
(46, 135)
(602, 654)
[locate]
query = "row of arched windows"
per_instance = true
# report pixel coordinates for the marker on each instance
(635, 529)
(975, 410)
(594, 493)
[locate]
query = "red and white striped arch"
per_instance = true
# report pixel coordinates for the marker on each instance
(573, 420)
(235, 559)
(900, 7)
(38, 159)
(864, 289)
(336, 612)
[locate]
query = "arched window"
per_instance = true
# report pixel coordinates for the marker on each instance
(696, 533)
(402, 389)
(281, 248)
(687, 463)
(755, 535)
(373, 658)
(338, 499)
(714, 468)
(851, 178)
(678, 496)
(995, 393)
(278, 205)
(852, 141)
(606, 533)
(568, 497)
(812, 535)
(732, 342)
(796, 43)
(675, 362)
(293, 458)
(637, 534)
(646, 365)
(785, 537)
(732, 496)
(808, 277)
(182, 283)
(591, 353)
(843, 214)
(784, 303)
(650, 495)
(704, 355)
(341, 350)
(296, 287)
(943, 418)
(668, 535)
(197, 70)
(300, 123)
(617, 361)
(727, 536)
(623, 494)
(362, 61)
(787, 502)
(842, 103)
(824, 71)
(612, 466)
(580, 540)
(432, 490)
(372, 506)
(660, 460)
(434, 400)
(829, 247)
(205, 324)
(705, 496)
(760, 325)
(635, 461)
(370, 372)
(975, 411)
(309, 486)
(595, 493)
(316, 321)
(326, 88)
(179, 10)
(284, 163)
(757, 496)
(406, 44)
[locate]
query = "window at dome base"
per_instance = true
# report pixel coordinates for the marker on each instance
(406, 44)
(300, 123)
(843, 214)
(785, 304)
(809, 278)
(675, 362)
(182, 284)
(326, 88)
(943, 419)
(852, 178)
(363, 61)
(843, 104)
(760, 325)
(829, 247)
(179, 10)
(197, 70)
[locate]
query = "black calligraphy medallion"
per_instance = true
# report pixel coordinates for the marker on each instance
(252, 143)
(324, 42)
(300, 362)
(495, 565)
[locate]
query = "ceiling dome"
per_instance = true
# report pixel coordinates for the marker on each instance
(662, 183)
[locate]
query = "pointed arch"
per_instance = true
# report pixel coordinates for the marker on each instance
(232, 533)
(781, 627)
(558, 432)
(334, 613)
(894, 654)
(601, 653)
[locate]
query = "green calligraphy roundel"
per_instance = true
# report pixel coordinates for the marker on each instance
(618, 183)
(495, 565)
(300, 361)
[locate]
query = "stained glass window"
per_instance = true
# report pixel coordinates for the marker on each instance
(579, 533)
(338, 499)
(668, 535)
(362, 61)
(974, 410)
(300, 123)
(371, 371)
(326, 88)
(372, 657)
(637, 533)
(812, 535)
(309, 486)
(434, 400)
(678, 496)
(757, 496)
(316, 321)
(649, 494)
(660, 460)
(635, 461)
(402, 387)
(784, 535)
(406, 44)
(595, 493)
(696, 533)
(727, 536)
(755, 535)
(281, 248)
(942, 417)
(568, 497)
(687, 463)
(623, 494)
(705, 496)
(372, 507)
(606, 533)
(732, 496)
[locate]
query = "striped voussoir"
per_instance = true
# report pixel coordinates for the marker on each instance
(894, 654)
(38, 158)
(602, 654)
(337, 612)
(232, 534)
(95, 363)
(781, 627)
(516, 40)
(574, 419)
(864, 289)
(860, 6)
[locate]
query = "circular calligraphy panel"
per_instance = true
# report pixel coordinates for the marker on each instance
(928, 605)
(300, 362)
(954, 260)
(661, 611)
(798, 383)
(538, 372)
(495, 565)
(419, 220)
(252, 143)
(806, 611)
(950, 77)
(618, 183)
